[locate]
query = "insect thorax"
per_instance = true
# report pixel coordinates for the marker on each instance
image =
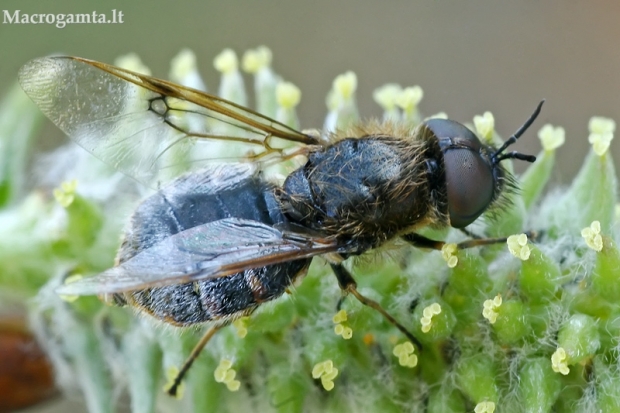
(368, 189)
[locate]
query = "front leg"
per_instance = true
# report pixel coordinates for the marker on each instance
(420, 241)
(348, 285)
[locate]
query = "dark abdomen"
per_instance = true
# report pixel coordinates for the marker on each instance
(171, 211)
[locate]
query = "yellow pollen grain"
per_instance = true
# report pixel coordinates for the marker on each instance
(387, 95)
(485, 407)
(438, 115)
(485, 125)
(326, 371)
(600, 142)
(601, 134)
(404, 352)
(551, 137)
(592, 236)
(346, 84)
(490, 307)
(226, 62)
(518, 246)
(427, 316)
(559, 361)
(65, 194)
(171, 374)
(409, 98)
(233, 385)
(599, 124)
(241, 325)
(256, 59)
(225, 374)
(288, 95)
(183, 64)
(340, 317)
(448, 252)
(341, 329)
(131, 61)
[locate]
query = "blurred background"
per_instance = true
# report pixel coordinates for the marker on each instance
(469, 57)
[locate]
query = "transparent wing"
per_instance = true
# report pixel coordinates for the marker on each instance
(148, 128)
(207, 251)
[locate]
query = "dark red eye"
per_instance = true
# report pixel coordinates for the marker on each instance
(470, 185)
(469, 175)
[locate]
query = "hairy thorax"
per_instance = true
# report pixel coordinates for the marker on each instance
(370, 188)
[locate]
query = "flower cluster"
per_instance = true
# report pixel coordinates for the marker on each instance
(552, 322)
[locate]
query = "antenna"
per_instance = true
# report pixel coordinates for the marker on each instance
(495, 158)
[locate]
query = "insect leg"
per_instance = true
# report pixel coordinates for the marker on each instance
(469, 233)
(420, 241)
(348, 285)
(172, 390)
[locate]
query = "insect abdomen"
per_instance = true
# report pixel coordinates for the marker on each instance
(175, 209)
(221, 298)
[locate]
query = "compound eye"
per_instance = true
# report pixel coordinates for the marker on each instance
(446, 128)
(470, 185)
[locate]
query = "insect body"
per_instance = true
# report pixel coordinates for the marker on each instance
(220, 240)
(354, 209)
(226, 195)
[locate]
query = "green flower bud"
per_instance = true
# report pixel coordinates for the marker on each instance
(408, 101)
(512, 322)
(85, 351)
(441, 400)
(468, 286)
(231, 83)
(183, 70)
(579, 337)
(143, 360)
(19, 123)
(533, 181)
(476, 376)
(435, 320)
(607, 386)
(84, 222)
(540, 276)
(206, 393)
(591, 197)
(539, 386)
(341, 103)
(288, 96)
(387, 96)
(605, 274)
(287, 392)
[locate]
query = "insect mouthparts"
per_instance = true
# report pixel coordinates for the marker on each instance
(497, 157)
